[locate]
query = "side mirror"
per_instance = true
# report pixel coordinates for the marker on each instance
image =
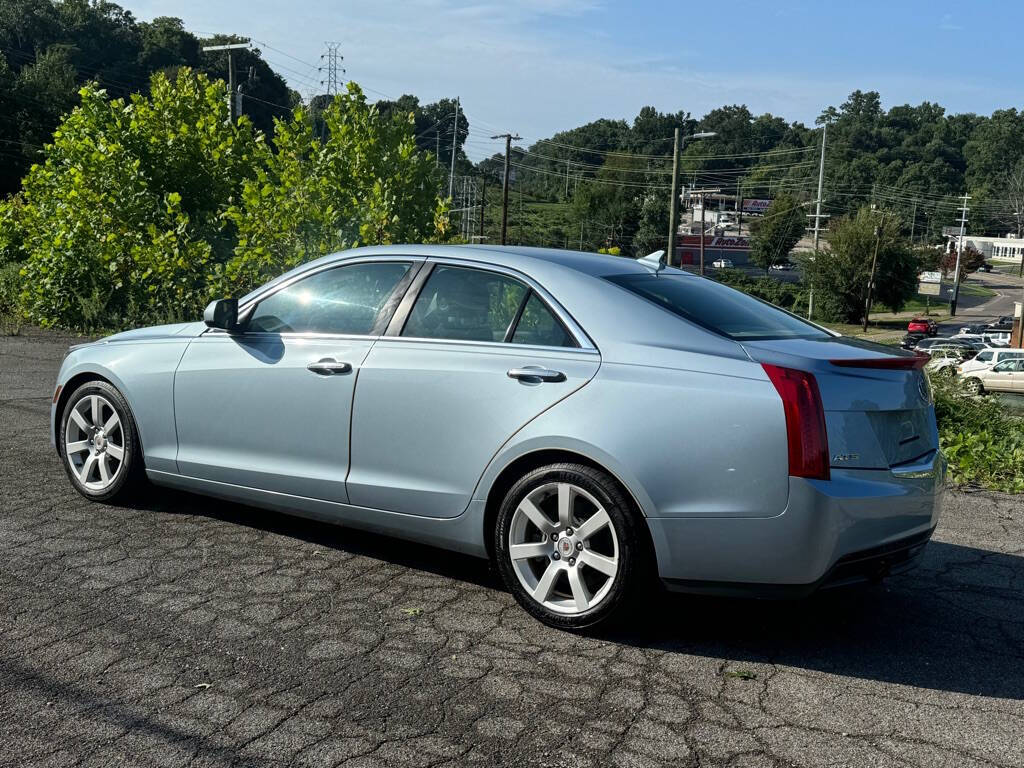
(222, 313)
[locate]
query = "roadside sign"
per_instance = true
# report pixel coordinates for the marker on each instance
(930, 277)
(929, 289)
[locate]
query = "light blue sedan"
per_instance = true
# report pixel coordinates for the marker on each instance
(585, 421)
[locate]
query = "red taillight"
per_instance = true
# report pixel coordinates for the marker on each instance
(805, 421)
(885, 363)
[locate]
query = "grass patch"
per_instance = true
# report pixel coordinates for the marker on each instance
(982, 439)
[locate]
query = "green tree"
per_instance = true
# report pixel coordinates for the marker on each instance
(780, 229)
(123, 220)
(364, 184)
(840, 272)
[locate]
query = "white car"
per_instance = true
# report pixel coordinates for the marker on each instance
(722, 264)
(988, 358)
(945, 360)
(999, 338)
(1007, 376)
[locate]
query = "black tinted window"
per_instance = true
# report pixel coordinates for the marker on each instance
(341, 300)
(538, 326)
(717, 307)
(466, 304)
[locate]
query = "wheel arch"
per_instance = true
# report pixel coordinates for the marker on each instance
(76, 380)
(517, 466)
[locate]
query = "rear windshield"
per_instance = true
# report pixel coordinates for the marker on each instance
(718, 308)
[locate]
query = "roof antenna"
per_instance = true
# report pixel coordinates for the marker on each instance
(655, 260)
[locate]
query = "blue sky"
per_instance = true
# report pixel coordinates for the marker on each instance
(539, 66)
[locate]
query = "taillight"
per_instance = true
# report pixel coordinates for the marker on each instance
(805, 421)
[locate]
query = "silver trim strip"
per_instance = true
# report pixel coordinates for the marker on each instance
(924, 468)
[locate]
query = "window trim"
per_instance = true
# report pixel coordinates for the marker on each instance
(380, 323)
(576, 334)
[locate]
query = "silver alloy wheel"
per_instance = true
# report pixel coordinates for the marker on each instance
(563, 548)
(94, 442)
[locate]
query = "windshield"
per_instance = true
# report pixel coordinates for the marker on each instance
(718, 308)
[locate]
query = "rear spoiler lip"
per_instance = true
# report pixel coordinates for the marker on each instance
(915, 362)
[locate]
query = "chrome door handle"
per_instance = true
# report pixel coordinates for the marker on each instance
(534, 373)
(329, 367)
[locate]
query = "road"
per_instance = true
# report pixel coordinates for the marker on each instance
(980, 309)
(191, 632)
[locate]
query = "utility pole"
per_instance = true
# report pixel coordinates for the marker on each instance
(233, 100)
(567, 180)
(913, 223)
(700, 193)
(874, 264)
(483, 205)
(739, 209)
(959, 254)
(509, 138)
(455, 136)
(673, 210)
(817, 214)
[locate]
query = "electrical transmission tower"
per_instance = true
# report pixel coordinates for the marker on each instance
(334, 72)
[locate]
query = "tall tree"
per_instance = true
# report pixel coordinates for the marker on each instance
(777, 232)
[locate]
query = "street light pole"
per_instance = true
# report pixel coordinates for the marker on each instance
(871, 278)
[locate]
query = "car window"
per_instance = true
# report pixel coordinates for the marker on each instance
(465, 304)
(717, 307)
(341, 300)
(984, 357)
(538, 325)
(1005, 366)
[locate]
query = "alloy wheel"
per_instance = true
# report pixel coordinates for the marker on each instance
(563, 548)
(94, 442)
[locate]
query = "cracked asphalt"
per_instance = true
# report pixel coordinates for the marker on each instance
(192, 632)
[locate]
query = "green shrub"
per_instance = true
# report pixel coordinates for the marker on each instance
(982, 441)
(789, 296)
(10, 304)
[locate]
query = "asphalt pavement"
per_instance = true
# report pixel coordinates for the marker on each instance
(192, 632)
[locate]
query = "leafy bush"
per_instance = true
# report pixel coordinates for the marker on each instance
(982, 441)
(10, 303)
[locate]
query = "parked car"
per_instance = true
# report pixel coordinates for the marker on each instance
(986, 358)
(997, 338)
(722, 264)
(923, 325)
(1005, 376)
(582, 420)
(911, 340)
(945, 360)
(974, 328)
(783, 266)
(937, 342)
(986, 267)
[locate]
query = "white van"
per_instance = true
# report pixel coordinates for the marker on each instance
(987, 358)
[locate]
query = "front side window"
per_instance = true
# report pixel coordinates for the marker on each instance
(343, 300)
(718, 308)
(465, 304)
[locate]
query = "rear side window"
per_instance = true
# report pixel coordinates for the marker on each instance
(538, 326)
(718, 308)
(465, 304)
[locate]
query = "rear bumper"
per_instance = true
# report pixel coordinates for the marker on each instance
(860, 525)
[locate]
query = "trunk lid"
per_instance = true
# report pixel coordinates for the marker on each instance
(875, 417)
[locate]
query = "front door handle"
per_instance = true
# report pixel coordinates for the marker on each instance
(328, 366)
(534, 374)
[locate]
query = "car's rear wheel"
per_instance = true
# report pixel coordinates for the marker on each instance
(974, 386)
(567, 545)
(99, 444)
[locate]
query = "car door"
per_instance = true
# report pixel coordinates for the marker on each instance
(472, 356)
(269, 407)
(1002, 376)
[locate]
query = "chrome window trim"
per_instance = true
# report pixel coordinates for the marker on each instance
(497, 345)
(575, 331)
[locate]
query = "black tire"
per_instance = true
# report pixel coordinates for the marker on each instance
(634, 562)
(974, 386)
(129, 475)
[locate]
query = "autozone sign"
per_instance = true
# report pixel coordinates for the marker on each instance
(755, 205)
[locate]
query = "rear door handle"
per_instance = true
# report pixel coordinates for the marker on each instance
(534, 373)
(328, 366)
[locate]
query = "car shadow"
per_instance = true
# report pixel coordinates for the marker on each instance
(955, 623)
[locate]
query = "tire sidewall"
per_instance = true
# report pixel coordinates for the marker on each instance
(619, 510)
(128, 475)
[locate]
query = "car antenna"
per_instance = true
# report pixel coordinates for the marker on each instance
(656, 260)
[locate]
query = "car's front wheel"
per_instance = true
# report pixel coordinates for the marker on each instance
(567, 545)
(99, 444)
(974, 386)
